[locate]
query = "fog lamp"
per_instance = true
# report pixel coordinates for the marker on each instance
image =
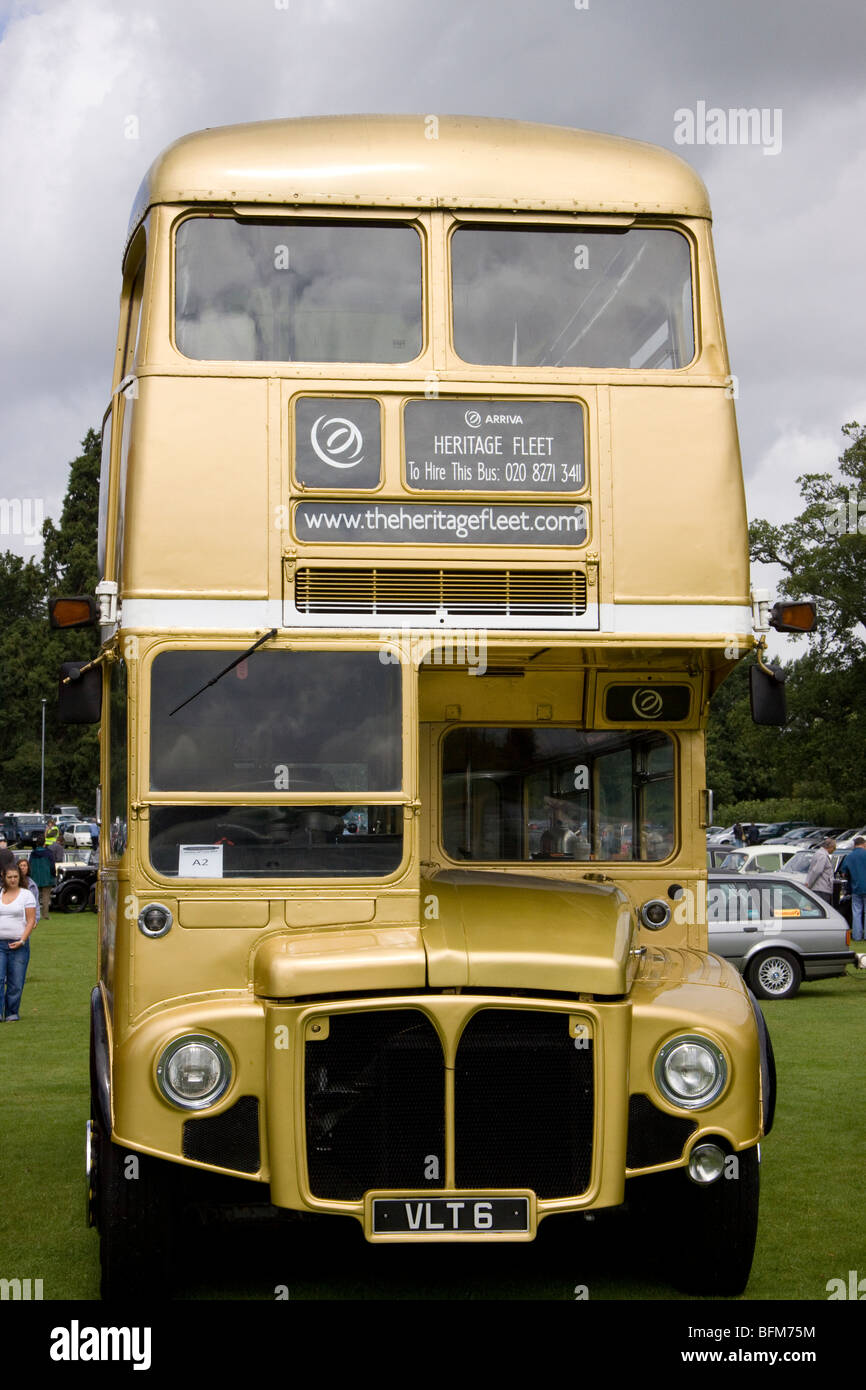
(706, 1163)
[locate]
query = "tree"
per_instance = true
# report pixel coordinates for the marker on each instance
(823, 550)
(31, 654)
(821, 753)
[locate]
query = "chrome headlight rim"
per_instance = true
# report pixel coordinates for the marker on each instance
(216, 1094)
(707, 1097)
(164, 930)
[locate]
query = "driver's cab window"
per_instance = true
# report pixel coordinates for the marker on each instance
(545, 794)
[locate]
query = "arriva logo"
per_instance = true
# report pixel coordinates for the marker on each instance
(646, 703)
(342, 444)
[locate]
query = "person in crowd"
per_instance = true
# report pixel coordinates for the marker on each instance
(27, 882)
(739, 837)
(7, 856)
(52, 833)
(820, 875)
(42, 871)
(17, 920)
(753, 835)
(854, 865)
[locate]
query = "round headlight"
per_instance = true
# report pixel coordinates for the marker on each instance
(655, 914)
(193, 1072)
(154, 920)
(690, 1071)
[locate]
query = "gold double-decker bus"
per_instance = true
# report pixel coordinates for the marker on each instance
(423, 548)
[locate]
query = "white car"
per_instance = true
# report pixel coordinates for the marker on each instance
(752, 859)
(79, 835)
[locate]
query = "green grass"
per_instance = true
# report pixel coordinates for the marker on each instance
(810, 1230)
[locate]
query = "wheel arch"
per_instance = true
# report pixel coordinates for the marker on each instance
(768, 1067)
(100, 1060)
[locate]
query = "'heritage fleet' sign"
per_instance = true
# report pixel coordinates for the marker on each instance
(494, 446)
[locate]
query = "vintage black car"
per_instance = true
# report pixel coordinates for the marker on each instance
(75, 890)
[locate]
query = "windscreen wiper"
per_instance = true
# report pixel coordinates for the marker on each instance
(231, 666)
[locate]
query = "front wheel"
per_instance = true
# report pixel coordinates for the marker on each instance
(774, 975)
(73, 896)
(717, 1226)
(130, 1197)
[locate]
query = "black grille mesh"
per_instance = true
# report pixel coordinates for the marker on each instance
(653, 1135)
(229, 1140)
(524, 1104)
(375, 1104)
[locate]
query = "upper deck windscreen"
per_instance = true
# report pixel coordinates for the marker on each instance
(297, 292)
(550, 297)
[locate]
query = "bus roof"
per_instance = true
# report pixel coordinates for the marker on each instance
(422, 161)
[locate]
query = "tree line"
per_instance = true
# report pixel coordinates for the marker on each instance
(815, 767)
(31, 654)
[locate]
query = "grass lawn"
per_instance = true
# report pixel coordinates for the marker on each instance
(811, 1227)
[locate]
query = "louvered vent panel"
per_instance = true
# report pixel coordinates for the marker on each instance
(505, 592)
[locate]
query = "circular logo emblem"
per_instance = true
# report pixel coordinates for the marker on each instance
(647, 704)
(472, 418)
(337, 442)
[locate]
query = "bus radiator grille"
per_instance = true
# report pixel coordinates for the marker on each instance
(498, 592)
(229, 1140)
(375, 1104)
(654, 1136)
(524, 1104)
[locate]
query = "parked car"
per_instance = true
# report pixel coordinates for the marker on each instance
(21, 829)
(66, 812)
(775, 931)
(758, 859)
(78, 834)
(846, 840)
(75, 889)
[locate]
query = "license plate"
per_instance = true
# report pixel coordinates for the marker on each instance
(466, 1215)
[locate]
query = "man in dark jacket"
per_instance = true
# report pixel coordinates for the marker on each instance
(7, 856)
(42, 873)
(854, 865)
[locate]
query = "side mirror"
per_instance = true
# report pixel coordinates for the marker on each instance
(79, 699)
(767, 696)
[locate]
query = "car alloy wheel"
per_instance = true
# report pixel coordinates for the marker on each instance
(775, 975)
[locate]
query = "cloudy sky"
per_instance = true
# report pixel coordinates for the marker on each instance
(788, 222)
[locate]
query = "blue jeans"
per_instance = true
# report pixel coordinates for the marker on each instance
(858, 915)
(13, 968)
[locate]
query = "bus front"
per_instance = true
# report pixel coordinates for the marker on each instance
(423, 551)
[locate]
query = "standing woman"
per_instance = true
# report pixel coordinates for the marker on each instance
(27, 882)
(17, 920)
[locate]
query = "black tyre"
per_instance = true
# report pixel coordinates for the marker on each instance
(774, 975)
(73, 896)
(716, 1226)
(130, 1195)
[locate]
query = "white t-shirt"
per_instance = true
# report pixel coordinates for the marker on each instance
(12, 919)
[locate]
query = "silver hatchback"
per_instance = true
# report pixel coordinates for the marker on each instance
(775, 931)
